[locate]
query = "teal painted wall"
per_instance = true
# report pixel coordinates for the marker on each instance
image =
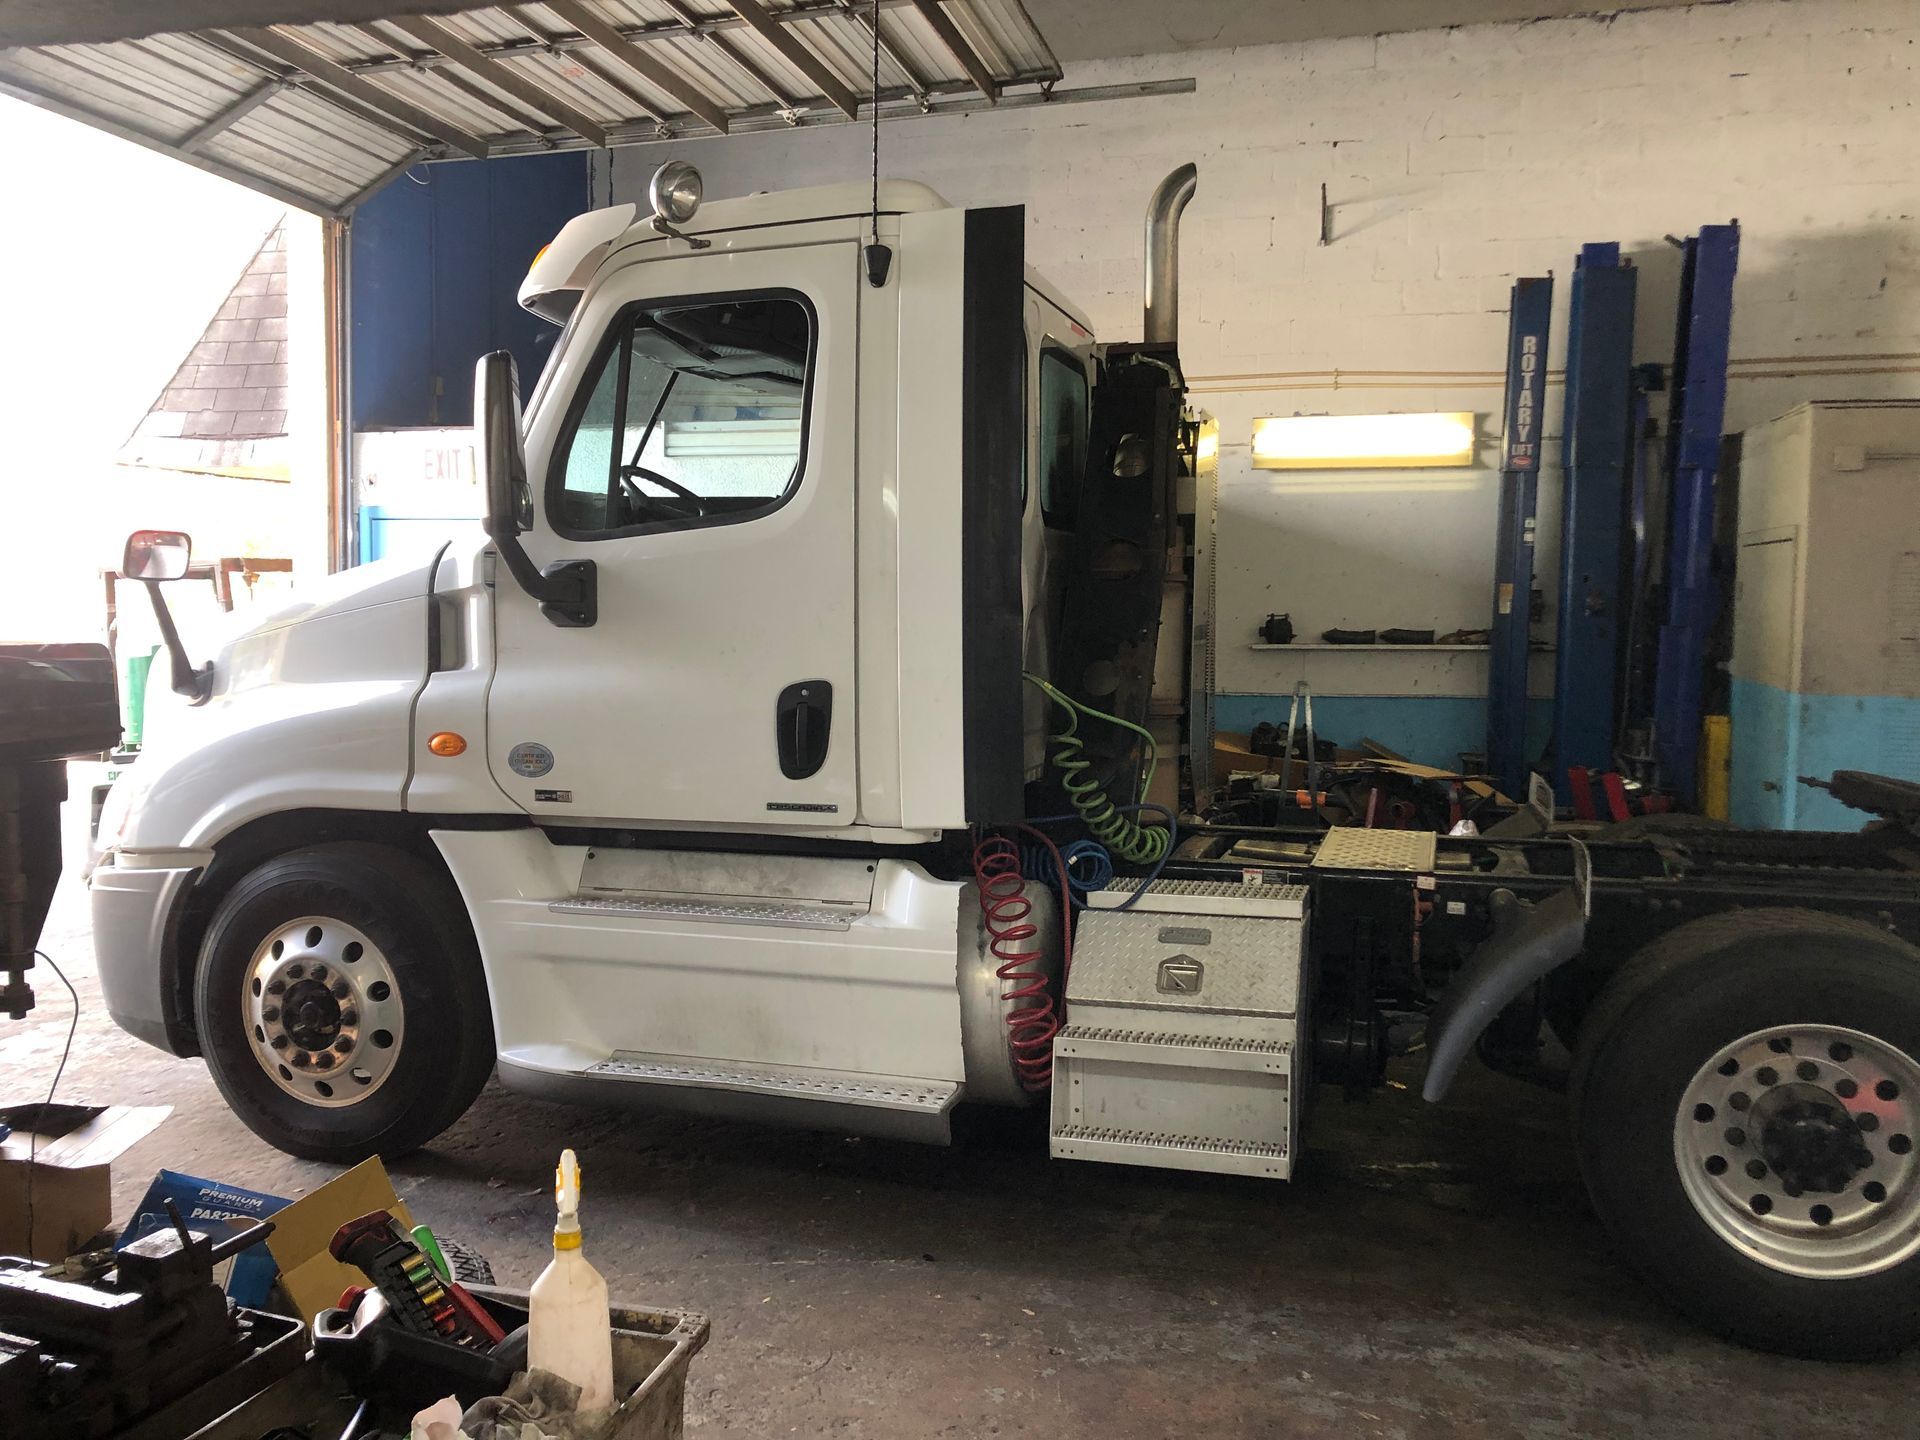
(1778, 736)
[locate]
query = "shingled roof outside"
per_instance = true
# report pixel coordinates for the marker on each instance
(228, 399)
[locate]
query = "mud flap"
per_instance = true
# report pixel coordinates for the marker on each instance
(1529, 942)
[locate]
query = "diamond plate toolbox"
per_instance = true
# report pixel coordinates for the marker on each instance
(1179, 1048)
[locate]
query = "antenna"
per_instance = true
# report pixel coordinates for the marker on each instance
(879, 257)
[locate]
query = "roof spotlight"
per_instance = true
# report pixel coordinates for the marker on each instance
(674, 192)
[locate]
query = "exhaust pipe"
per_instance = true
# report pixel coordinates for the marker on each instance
(1163, 254)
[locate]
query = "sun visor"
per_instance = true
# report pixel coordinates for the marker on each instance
(562, 268)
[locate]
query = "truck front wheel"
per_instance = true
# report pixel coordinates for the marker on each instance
(341, 1004)
(1746, 1102)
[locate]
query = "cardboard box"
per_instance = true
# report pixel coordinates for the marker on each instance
(1232, 752)
(303, 1231)
(72, 1149)
(222, 1211)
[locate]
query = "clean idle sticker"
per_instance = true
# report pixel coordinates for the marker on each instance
(530, 759)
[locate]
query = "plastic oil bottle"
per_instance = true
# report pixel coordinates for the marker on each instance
(570, 1332)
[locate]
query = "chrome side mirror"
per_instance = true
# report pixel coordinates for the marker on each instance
(156, 555)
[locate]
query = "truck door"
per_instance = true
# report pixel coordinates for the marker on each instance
(697, 443)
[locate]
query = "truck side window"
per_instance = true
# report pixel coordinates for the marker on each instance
(1063, 437)
(696, 414)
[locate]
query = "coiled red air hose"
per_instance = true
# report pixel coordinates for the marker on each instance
(1032, 1023)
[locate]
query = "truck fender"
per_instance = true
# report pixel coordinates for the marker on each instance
(1529, 941)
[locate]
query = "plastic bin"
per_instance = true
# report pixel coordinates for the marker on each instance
(651, 1352)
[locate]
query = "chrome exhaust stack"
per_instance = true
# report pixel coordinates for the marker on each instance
(1170, 197)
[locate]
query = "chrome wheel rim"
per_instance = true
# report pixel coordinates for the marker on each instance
(1796, 1145)
(323, 1011)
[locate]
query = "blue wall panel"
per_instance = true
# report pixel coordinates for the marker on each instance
(436, 260)
(1780, 736)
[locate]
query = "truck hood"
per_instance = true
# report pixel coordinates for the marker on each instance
(310, 707)
(380, 583)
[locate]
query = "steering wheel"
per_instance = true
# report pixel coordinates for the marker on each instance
(639, 498)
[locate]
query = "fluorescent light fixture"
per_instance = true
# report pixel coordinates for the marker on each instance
(1363, 442)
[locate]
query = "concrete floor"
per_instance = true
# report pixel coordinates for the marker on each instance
(1431, 1273)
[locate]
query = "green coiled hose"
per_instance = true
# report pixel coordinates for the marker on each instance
(1120, 833)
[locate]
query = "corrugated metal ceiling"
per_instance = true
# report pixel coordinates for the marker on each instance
(322, 114)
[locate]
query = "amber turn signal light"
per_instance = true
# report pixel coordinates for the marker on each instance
(447, 744)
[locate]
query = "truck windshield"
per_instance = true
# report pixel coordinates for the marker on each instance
(696, 414)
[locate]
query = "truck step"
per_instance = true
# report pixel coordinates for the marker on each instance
(928, 1098)
(711, 912)
(1195, 1052)
(1179, 1046)
(1171, 1152)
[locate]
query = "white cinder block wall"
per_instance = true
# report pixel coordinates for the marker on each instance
(1454, 161)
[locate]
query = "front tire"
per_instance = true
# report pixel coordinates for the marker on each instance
(1746, 1097)
(341, 1004)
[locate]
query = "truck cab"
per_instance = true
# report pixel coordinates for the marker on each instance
(678, 763)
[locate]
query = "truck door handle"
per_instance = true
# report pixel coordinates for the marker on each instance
(802, 720)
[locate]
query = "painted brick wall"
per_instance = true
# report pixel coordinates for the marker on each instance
(1454, 161)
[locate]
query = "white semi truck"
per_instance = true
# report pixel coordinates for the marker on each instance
(717, 774)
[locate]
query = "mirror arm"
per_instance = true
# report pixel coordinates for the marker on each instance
(568, 590)
(195, 684)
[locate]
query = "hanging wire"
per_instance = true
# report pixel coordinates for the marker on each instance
(45, 1117)
(873, 105)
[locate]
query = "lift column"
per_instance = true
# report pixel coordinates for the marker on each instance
(1596, 447)
(1695, 417)
(1513, 551)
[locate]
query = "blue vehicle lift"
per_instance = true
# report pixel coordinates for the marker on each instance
(1597, 446)
(1695, 417)
(1526, 405)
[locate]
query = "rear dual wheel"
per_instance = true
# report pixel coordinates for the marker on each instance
(341, 1004)
(1746, 1102)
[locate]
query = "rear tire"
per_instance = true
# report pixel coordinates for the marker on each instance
(1736, 1175)
(467, 1266)
(341, 1003)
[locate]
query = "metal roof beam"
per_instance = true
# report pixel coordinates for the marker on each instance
(894, 105)
(294, 81)
(693, 27)
(499, 75)
(379, 182)
(356, 87)
(956, 43)
(659, 76)
(868, 17)
(512, 117)
(733, 53)
(239, 175)
(232, 115)
(586, 54)
(797, 55)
